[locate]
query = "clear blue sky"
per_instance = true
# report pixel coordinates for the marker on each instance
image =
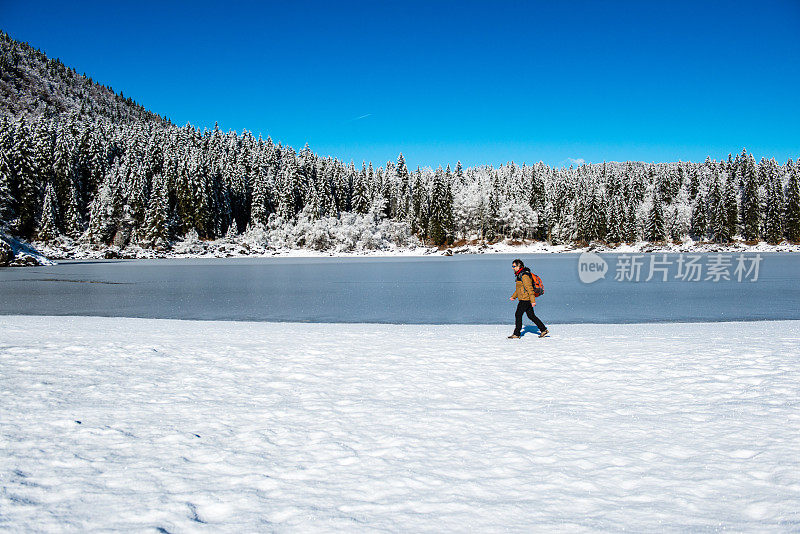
(483, 82)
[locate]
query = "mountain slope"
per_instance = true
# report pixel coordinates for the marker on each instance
(33, 85)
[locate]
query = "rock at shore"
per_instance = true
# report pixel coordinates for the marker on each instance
(16, 253)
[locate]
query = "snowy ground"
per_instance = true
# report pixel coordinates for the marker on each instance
(178, 426)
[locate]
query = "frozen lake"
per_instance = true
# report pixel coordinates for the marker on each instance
(458, 289)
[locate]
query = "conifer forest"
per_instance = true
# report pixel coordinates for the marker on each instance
(81, 163)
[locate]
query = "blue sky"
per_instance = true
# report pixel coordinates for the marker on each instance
(483, 82)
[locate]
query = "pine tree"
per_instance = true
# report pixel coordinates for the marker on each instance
(791, 220)
(48, 226)
(699, 223)
(70, 216)
(328, 178)
(631, 226)
(656, 226)
(6, 196)
(437, 230)
(693, 187)
(419, 224)
(402, 199)
(447, 206)
(259, 210)
(773, 210)
(751, 204)
(591, 222)
(24, 179)
(287, 186)
(63, 178)
(313, 204)
(730, 208)
(155, 231)
(105, 209)
(361, 202)
(720, 227)
(490, 218)
(42, 154)
(614, 221)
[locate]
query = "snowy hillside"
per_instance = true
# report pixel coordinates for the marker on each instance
(177, 426)
(35, 86)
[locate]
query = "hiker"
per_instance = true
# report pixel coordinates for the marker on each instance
(527, 299)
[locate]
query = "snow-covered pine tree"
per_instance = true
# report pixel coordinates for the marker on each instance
(592, 220)
(773, 209)
(259, 210)
(388, 190)
(24, 179)
(419, 223)
(730, 208)
(614, 220)
(70, 219)
(48, 225)
(287, 185)
(631, 225)
(324, 199)
(105, 209)
(136, 192)
(201, 212)
(447, 206)
(436, 223)
(43, 148)
(699, 223)
(7, 207)
(156, 232)
(656, 225)
(402, 201)
(791, 220)
(678, 215)
(491, 216)
(720, 229)
(327, 183)
(751, 203)
(361, 201)
(64, 180)
(313, 204)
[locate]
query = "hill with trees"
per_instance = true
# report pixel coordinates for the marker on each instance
(84, 167)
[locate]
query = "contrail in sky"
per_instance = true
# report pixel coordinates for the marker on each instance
(361, 117)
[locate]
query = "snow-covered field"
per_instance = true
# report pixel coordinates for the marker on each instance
(179, 426)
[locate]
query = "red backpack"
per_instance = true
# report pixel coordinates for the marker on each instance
(538, 286)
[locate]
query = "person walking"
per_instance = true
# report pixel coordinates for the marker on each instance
(527, 299)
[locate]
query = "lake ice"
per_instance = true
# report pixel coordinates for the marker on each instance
(432, 290)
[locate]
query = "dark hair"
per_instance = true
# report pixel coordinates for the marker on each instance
(518, 262)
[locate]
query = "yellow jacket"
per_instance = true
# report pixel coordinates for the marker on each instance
(524, 289)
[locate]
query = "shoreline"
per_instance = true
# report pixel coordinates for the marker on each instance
(217, 249)
(229, 323)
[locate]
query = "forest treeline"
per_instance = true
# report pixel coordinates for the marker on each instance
(79, 161)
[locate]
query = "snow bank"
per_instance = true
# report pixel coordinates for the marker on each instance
(178, 426)
(18, 253)
(342, 242)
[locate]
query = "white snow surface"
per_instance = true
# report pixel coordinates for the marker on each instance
(184, 426)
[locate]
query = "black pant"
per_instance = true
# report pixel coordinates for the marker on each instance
(523, 307)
